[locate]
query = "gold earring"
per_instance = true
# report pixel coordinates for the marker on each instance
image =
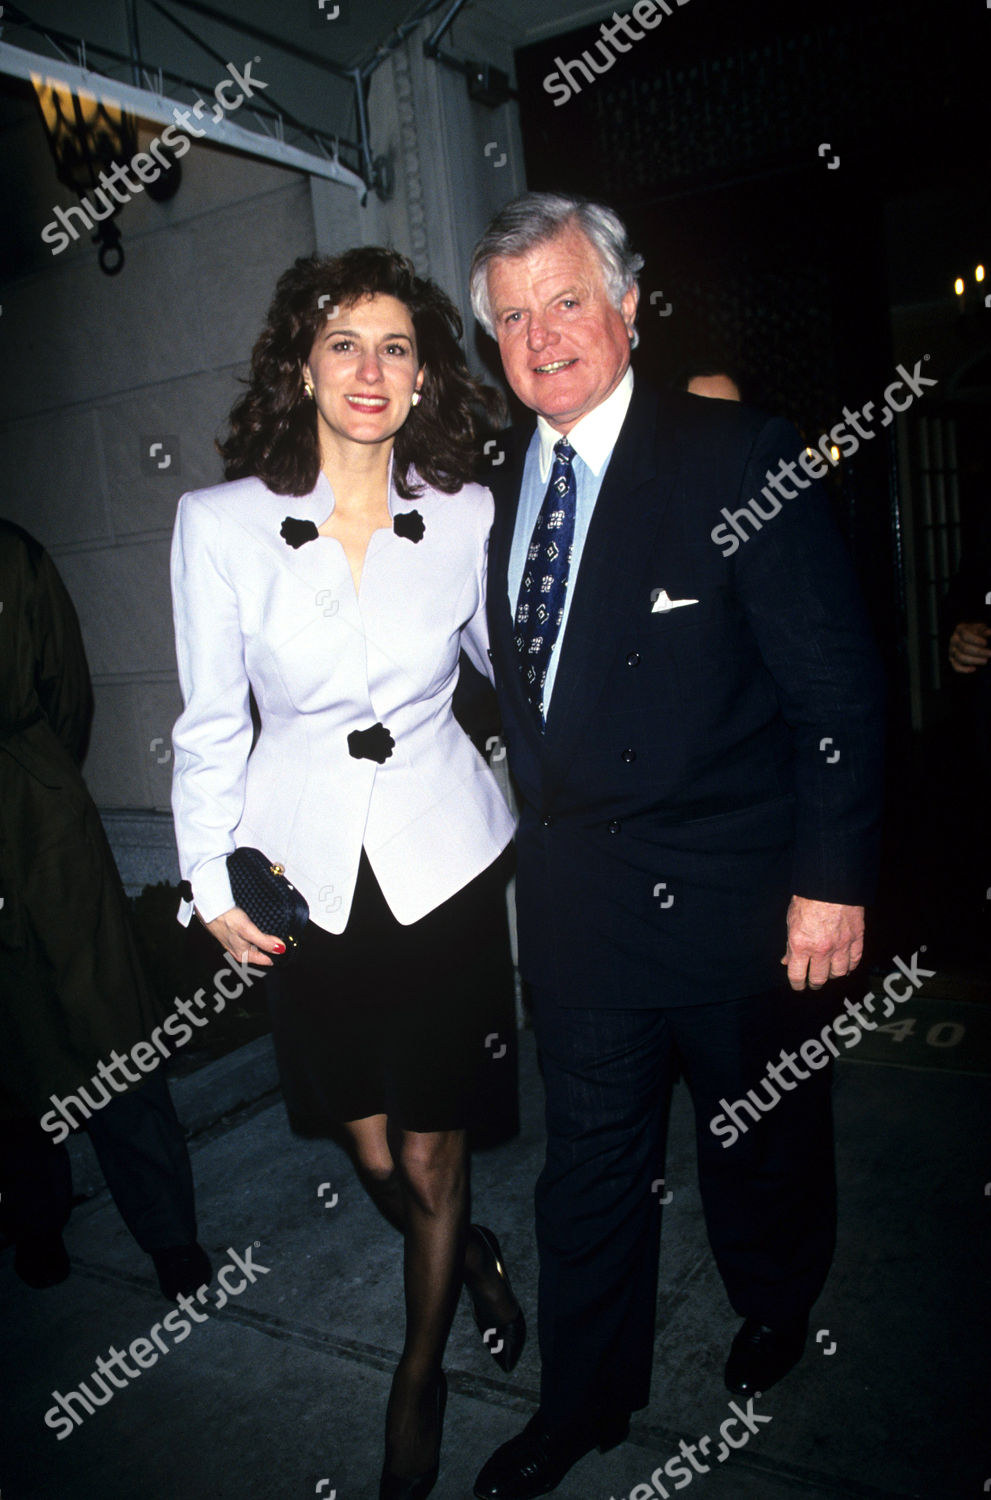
(308, 389)
(414, 400)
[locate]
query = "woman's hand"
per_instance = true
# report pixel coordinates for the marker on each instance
(235, 931)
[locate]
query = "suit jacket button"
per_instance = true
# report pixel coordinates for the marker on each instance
(614, 827)
(629, 756)
(488, 652)
(547, 821)
(633, 660)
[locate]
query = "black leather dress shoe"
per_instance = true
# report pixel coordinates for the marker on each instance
(504, 1341)
(536, 1460)
(760, 1355)
(184, 1268)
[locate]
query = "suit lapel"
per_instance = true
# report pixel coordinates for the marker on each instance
(628, 513)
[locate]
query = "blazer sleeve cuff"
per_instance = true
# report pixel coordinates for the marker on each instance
(846, 877)
(211, 891)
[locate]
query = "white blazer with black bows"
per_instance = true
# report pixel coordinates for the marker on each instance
(260, 599)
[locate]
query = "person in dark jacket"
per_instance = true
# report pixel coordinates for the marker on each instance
(72, 989)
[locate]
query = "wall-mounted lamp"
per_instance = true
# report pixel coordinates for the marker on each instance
(87, 135)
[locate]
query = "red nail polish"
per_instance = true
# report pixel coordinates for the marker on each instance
(280, 947)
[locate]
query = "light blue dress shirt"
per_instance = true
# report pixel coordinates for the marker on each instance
(593, 439)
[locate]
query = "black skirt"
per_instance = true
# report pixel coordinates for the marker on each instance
(402, 1021)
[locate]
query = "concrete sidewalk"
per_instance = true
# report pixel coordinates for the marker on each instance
(280, 1395)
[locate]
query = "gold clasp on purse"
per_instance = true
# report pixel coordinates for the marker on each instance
(277, 869)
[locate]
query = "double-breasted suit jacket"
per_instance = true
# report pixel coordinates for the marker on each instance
(272, 607)
(712, 743)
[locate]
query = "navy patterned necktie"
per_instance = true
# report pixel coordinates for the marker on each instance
(540, 606)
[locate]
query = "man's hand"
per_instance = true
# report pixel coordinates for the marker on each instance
(969, 647)
(825, 941)
(236, 932)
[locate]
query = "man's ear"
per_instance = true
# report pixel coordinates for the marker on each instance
(628, 307)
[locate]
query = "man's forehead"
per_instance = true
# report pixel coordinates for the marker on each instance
(570, 255)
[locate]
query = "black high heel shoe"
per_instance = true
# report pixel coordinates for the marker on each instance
(393, 1487)
(504, 1341)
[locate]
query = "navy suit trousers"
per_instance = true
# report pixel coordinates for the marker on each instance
(769, 1198)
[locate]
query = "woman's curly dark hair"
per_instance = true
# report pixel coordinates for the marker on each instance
(273, 427)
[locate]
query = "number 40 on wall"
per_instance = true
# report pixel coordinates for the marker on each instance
(942, 1034)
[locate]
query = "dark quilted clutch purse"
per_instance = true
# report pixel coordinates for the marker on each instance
(273, 903)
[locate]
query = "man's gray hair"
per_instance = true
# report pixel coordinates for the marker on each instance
(534, 218)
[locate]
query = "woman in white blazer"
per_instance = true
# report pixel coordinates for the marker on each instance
(335, 577)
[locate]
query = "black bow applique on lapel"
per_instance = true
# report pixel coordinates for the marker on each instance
(295, 532)
(410, 525)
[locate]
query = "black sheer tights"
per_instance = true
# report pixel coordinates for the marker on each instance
(419, 1182)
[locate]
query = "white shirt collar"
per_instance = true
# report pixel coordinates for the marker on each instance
(594, 437)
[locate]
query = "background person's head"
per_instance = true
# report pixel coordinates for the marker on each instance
(719, 385)
(273, 427)
(554, 280)
(717, 377)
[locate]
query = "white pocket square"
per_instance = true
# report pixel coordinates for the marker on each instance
(662, 603)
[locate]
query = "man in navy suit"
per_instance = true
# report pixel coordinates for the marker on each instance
(692, 709)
